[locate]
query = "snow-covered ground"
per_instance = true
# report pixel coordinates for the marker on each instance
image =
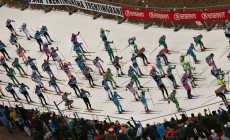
(61, 26)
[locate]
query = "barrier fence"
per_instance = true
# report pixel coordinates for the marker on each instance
(194, 17)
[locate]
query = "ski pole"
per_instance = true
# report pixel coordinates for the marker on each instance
(71, 50)
(115, 48)
(151, 98)
(124, 48)
(177, 72)
(40, 56)
(154, 50)
(208, 101)
(125, 82)
(84, 41)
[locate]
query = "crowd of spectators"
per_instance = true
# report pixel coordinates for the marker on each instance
(41, 125)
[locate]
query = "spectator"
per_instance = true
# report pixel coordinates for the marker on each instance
(226, 131)
(5, 122)
(161, 131)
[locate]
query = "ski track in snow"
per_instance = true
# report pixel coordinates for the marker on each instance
(60, 27)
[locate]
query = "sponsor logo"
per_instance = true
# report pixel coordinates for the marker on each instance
(178, 16)
(133, 14)
(158, 16)
(213, 15)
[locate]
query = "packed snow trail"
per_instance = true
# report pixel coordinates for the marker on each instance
(61, 26)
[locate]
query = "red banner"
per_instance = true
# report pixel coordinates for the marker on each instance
(180, 16)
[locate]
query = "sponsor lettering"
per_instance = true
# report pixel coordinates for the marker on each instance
(158, 16)
(213, 15)
(129, 13)
(178, 16)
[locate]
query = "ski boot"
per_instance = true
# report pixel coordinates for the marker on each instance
(119, 75)
(122, 73)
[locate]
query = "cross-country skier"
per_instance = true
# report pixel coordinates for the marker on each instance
(182, 59)
(3, 63)
(190, 52)
(25, 30)
(44, 32)
(140, 53)
(73, 84)
(21, 53)
(80, 62)
(162, 42)
(1, 91)
(36, 78)
(210, 61)
(74, 40)
(23, 90)
(10, 89)
(11, 74)
(9, 26)
(106, 87)
(227, 33)
(14, 40)
(219, 93)
(135, 65)
(86, 73)
(170, 75)
(159, 66)
(56, 57)
(30, 62)
(109, 49)
(66, 100)
(46, 68)
(184, 81)
(188, 69)
(132, 73)
(38, 91)
(220, 77)
(74, 37)
(130, 87)
(117, 65)
(116, 102)
(46, 50)
(85, 98)
(18, 66)
(39, 40)
(78, 49)
(198, 41)
(163, 56)
(131, 42)
(144, 101)
(102, 34)
(3, 50)
(97, 63)
(53, 83)
(172, 98)
(160, 84)
(153, 72)
(109, 77)
(66, 69)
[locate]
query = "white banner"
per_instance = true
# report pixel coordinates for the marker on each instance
(82, 4)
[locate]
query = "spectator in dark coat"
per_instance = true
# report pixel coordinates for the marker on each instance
(226, 131)
(122, 136)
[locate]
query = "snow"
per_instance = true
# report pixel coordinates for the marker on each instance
(61, 26)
